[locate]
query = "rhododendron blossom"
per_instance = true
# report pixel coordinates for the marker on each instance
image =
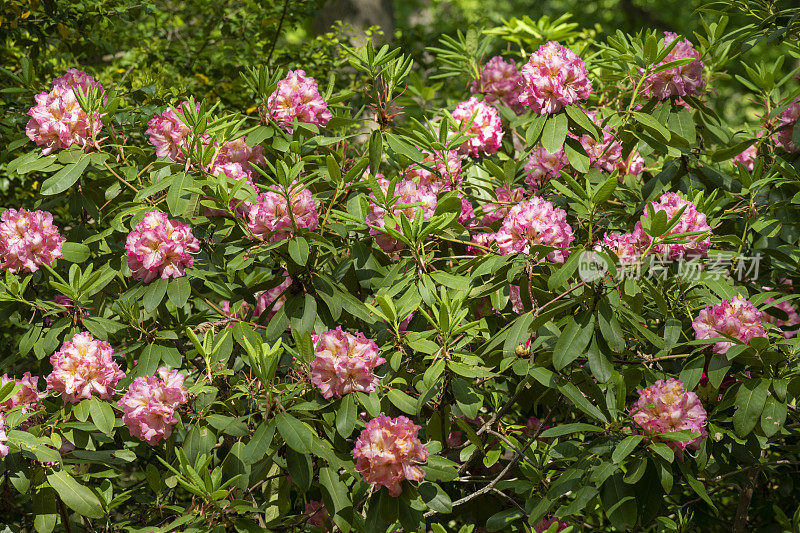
(482, 121)
(690, 220)
(57, 120)
(160, 247)
(737, 318)
(273, 299)
(149, 405)
(747, 158)
(27, 397)
(532, 222)
(297, 98)
(677, 81)
(787, 123)
(542, 166)
(28, 239)
(168, 133)
(505, 200)
(667, 406)
(606, 153)
(344, 362)
(407, 192)
(447, 175)
(388, 451)
(84, 367)
(500, 82)
(628, 247)
(235, 159)
(274, 217)
(554, 77)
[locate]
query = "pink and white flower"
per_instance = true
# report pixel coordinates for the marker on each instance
(28, 240)
(535, 221)
(787, 123)
(505, 200)
(57, 120)
(446, 175)
(277, 213)
(407, 192)
(297, 98)
(542, 166)
(84, 367)
(554, 77)
(737, 318)
(667, 406)
(500, 82)
(484, 124)
(344, 363)
(388, 451)
(160, 247)
(28, 397)
(691, 220)
(150, 402)
(170, 136)
(628, 247)
(3, 437)
(677, 81)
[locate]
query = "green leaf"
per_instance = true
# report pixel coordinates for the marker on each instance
(298, 250)
(375, 151)
(554, 133)
(102, 414)
(502, 521)
(581, 402)
(346, 416)
(750, 401)
(582, 120)
(153, 294)
(564, 272)
(178, 291)
(65, 178)
(435, 497)
(663, 450)
(773, 416)
(77, 497)
(75, 252)
(297, 435)
(176, 202)
(403, 401)
(573, 340)
(568, 429)
(625, 447)
(300, 468)
(336, 491)
(651, 124)
(259, 443)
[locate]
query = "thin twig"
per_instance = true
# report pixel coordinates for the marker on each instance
(278, 31)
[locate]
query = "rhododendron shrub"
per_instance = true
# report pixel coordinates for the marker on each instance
(520, 282)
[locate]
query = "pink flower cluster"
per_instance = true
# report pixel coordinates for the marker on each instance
(505, 200)
(500, 82)
(691, 220)
(272, 299)
(168, 133)
(554, 77)
(160, 247)
(149, 405)
(737, 318)
(606, 153)
(28, 239)
(747, 158)
(787, 121)
(407, 192)
(235, 159)
(485, 126)
(667, 406)
(628, 247)
(388, 451)
(535, 221)
(677, 81)
(27, 397)
(84, 367)
(446, 175)
(274, 218)
(57, 120)
(542, 166)
(344, 363)
(297, 98)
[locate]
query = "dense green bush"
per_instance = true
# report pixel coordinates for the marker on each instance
(548, 289)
